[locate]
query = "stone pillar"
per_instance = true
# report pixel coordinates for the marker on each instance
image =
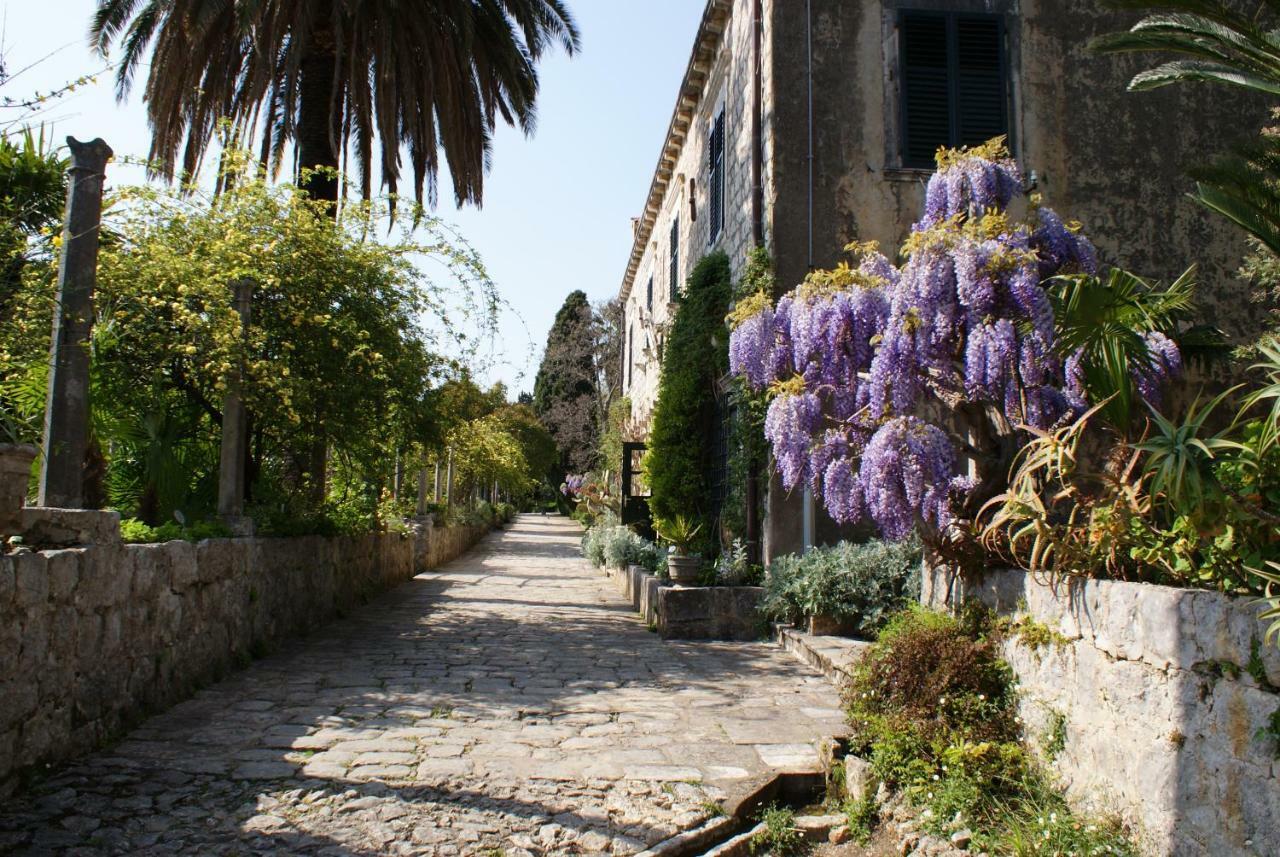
(66, 414)
(235, 426)
(422, 491)
(437, 491)
(397, 483)
(449, 495)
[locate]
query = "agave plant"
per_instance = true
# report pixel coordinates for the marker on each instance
(1270, 602)
(1059, 517)
(1180, 456)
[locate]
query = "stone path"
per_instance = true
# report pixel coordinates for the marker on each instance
(508, 704)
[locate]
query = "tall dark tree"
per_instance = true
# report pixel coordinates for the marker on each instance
(565, 395)
(432, 76)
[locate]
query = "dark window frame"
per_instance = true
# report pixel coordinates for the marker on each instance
(648, 300)
(673, 252)
(717, 174)
(952, 19)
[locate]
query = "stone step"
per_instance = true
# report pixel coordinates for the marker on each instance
(834, 657)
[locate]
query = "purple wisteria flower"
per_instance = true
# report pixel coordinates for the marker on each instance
(906, 475)
(789, 426)
(751, 346)
(1165, 365)
(856, 353)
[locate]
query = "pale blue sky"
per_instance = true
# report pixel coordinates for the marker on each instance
(558, 206)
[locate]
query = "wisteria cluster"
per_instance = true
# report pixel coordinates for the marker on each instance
(851, 354)
(1166, 364)
(573, 485)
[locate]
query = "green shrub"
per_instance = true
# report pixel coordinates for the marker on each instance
(133, 531)
(734, 567)
(622, 547)
(780, 836)
(593, 538)
(863, 583)
(927, 677)
(681, 454)
(933, 707)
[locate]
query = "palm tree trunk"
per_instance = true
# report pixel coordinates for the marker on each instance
(319, 117)
(317, 141)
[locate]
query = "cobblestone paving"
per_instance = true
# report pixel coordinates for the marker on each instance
(510, 703)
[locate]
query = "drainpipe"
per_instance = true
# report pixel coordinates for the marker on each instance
(754, 552)
(808, 10)
(809, 511)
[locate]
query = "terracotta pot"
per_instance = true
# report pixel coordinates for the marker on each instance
(15, 472)
(684, 569)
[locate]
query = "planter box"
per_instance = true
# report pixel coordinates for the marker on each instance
(711, 613)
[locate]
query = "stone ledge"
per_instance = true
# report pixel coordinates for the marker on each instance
(45, 526)
(834, 657)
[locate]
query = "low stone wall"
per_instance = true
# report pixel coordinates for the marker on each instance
(94, 637)
(1163, 696)
(692, 612)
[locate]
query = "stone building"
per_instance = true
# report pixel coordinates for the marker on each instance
(807, 124)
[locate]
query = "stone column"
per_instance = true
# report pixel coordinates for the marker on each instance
(437, 489)
(66, 414)
(422, 492)
(397, 482)
(235, 426)
(449, 495)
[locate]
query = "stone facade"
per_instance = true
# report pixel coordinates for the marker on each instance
(93, 638)
(1163, 696)
(832, 168)
(719, 79)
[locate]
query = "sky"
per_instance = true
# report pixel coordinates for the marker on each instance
(558, 206)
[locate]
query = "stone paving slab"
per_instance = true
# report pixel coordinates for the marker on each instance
(509, 703)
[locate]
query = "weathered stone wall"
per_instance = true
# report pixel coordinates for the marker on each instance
(1165, 695)
(93, 638)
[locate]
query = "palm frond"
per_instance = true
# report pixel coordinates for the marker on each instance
(1215, 43)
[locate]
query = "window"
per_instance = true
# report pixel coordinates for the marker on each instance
(715, 176)
(673, 276)
(954, 82)
(631, 338)
(693, 200)
(648, 297)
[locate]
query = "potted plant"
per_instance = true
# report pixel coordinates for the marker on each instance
(680, 532)
(15, 470)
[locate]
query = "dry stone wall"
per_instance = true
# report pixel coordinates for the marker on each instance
(94, 637)
(1163, 696)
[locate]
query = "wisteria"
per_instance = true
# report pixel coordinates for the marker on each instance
(573, 484)
(906, 475)
(1165, 365)
(853, 356)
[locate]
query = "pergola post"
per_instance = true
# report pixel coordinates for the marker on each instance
(235, 425)
(66, 414)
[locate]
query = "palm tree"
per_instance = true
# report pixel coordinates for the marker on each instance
(1216, 43)
(428, 76)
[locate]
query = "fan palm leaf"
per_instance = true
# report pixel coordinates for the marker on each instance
(428, 80)
(1216, 43)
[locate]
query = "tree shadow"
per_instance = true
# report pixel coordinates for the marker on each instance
(489, 662)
